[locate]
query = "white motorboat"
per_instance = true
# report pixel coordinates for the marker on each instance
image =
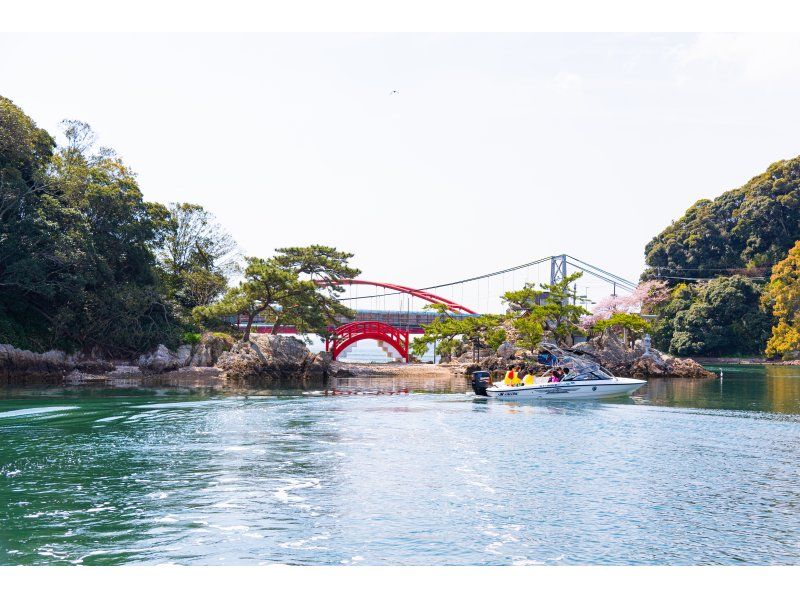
(567, 389)
(586, 380)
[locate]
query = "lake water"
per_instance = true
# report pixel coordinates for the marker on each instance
(403, 472)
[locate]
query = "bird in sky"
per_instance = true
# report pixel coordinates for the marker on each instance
(394, 91)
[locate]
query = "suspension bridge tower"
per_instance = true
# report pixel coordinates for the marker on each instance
(558, 268)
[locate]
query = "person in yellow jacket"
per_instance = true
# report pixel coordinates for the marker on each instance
(529, 379)
(512, 379)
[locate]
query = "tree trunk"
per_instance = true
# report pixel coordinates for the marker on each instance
(246, 336)
(275, 326)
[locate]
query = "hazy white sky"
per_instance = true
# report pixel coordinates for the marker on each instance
(498, 149)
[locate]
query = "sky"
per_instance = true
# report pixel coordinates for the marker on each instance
(498, 149)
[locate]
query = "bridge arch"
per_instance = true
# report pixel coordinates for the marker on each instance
(351, 333)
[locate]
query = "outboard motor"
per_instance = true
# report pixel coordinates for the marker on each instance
(480, 381)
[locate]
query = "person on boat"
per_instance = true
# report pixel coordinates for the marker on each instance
(555, 375)
(512, 378)
(528, 379)
(564, 374)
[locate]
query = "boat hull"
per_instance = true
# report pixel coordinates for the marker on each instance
(594, 389)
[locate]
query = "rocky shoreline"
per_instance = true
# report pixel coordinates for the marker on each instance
(217, 359)
(608, 350)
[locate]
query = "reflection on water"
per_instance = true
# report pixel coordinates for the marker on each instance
(753, 388)
(393, 471)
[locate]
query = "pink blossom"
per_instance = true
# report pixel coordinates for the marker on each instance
(651, 291)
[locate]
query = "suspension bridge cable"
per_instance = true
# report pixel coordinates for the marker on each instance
(604, 275)
(609, 274)
(465, 280)
(624, 286)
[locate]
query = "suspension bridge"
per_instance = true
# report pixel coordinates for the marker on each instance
(390, 313)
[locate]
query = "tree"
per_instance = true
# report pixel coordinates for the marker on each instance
(25, 153)
(284, 289)
(663, 328)
(553, 306)
(747, 229)
(632, 326)
(646, 297)
(77, 268)
(196, 255)
(782, 298)
(103, 284)
(724, 317)
(530, 330)
(452, 333)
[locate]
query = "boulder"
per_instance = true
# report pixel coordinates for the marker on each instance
(320, 366)
(506, 350)
(273, 356)
(207, 352)
(159, 361)
(686, 368)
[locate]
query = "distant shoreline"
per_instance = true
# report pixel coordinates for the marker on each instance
(755, 360)
(743, 361)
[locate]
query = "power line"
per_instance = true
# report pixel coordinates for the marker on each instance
(703, 279)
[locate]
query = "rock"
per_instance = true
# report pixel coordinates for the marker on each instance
(610, 352)
(159, 361)
(273, 356)
(77, 376)
(193, 376)
(184, 354)
(209, 349)
(506, 350)
(124, 372)
(241, 362)
(686, 368)
(320, 366)
(23, 365)
(94, 367)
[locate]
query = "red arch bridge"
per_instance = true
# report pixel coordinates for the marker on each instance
(376, 325)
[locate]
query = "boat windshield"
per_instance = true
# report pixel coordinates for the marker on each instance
(594, 375)
(580, 367)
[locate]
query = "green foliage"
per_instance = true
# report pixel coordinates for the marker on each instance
(533, 313)
(77, 266)
(552, 306)
(195, 256)
(743, 231)
(750, 227)
(723, 317)
(530, 330)
(782, 298)
(452, 333)
(633, 326)
(192, 338)
(282, 290)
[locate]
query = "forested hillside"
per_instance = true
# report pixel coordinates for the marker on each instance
(750, 228)
(80, 248)
(731, 244)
